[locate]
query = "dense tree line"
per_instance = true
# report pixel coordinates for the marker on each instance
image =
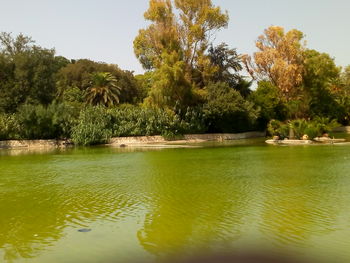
(190, 84)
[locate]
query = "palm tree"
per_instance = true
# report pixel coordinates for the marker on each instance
(103, 89)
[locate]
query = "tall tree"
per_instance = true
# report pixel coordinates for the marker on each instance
(176, 43)
(103, 89)
(27, 72)
(74, 79)
(345, 79)
(198, 22)
(344, 98)
(227, 64)
(160, 37)
(279, 60)
(320, 84)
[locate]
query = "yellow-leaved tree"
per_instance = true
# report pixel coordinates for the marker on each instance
(279, 60)
(174, 46)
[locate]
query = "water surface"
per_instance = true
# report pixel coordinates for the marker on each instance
(151, 204)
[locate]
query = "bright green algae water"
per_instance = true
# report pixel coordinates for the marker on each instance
(149, 204)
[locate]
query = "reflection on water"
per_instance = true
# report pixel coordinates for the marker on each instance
(154, 204)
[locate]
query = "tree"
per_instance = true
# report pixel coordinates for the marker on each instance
(320, 86)
(103, 89)
(343, 95)
(159, 37)
(198, 22)
(267, 98)
(170, 85)
(346, 75)
(227, 63)
(345, 81)
(227, 111)
(93, 126)
(12, 46)
(74, 79)
(279, 60)
(176, 43)
(27, 72)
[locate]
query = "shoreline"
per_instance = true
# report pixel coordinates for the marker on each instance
(316, 141)
(136, 141)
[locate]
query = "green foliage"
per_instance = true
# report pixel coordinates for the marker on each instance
(175, 47)
(103, 89)
(278, 128)
(298, 108)
(314, 128)
(298, 127)
(77, 76)
(170, 84)
(41, 122)
(344, 105)
(227, 64)
(27, 72)
(325, 125)
(74, 95)
(129, 120)
(191, 86)
(227, 111)
(267, 98)
(320, 73)
(9, 126)
(93, 126)
(145, 82)
(194, 120)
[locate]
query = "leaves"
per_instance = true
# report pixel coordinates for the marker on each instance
(175, 46)
(103, 89)
(279, 60)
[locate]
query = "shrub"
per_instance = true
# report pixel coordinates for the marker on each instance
(227, 111)
(130, 120)
(268, 99)
(299, 126)
(9, 127)
(194, 120)
(312, 131)
(313, 128)
(93, 126)
(40, 122)
(325, 125)
(278, 128)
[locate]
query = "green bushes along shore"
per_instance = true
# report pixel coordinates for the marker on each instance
(190, 84)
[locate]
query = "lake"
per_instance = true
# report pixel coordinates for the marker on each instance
(151, 204)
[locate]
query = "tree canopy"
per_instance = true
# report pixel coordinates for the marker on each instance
(27, 72)
(279, 59)
(191, 83)
(175, 46)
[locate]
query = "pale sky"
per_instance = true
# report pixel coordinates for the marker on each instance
(104, 30)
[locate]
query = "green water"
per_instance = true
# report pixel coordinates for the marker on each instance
(150, 204)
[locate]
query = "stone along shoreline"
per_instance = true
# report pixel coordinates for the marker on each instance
(137, 141)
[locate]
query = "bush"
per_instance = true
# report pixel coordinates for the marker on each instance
(312, 131)
(278, 128)
(300, 127)
(268, 99)
(130, 120)
(227, 111)
(40, 122)
(325, 125)
(9, 127)
(93, 126)
(194, 120)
